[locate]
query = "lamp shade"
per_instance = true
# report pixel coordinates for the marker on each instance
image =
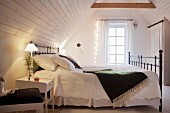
(31, 47)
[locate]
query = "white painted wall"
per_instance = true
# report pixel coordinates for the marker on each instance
(86, 37)
(12, 62)
(140, 39)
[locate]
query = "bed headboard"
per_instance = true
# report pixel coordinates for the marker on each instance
(45, 50)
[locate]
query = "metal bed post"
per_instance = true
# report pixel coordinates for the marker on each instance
(147, 66)
(47, 49)
(155, 63)
(141, 61)
(138, 60)
(58, 50)
(160, 77)
(50, 50)
(129, 57)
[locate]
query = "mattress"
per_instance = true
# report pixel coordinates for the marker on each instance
(84, 89)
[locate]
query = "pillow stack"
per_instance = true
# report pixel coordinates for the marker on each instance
(63, 62)
(71, 60)
(51, 62)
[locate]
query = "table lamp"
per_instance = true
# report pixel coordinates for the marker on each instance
(31, 48)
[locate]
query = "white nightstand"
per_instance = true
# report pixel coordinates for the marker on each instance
(44, 86)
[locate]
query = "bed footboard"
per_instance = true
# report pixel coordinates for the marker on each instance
(155, 66)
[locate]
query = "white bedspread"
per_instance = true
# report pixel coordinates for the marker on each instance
(75, 84)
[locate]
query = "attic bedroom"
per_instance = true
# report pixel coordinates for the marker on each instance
(88, 40)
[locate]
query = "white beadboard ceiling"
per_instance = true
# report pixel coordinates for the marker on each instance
(162, 10)
(44, 20)
(55, 21)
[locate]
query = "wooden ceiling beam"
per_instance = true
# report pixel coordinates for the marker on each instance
(123, 5)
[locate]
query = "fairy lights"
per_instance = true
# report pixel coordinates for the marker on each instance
(96, 42)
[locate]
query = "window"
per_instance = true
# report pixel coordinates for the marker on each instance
(116, 43)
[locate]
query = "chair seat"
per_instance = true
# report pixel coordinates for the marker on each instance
(22, 96)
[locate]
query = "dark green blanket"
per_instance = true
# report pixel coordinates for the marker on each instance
(118, 83)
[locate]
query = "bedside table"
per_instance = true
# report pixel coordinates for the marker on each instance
(44, 86)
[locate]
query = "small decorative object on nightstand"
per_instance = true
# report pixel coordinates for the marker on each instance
(36, 79)
(44, 86)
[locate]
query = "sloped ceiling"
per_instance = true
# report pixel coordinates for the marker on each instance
(44, 20)
(55, 21)
(154, 15)
(150, 15)
(122, 1)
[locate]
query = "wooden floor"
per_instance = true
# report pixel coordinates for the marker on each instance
(166, 99)
(141, 109)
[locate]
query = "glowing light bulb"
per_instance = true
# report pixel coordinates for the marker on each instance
(96, 42)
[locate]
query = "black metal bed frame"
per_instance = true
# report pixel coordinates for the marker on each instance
(138, 62)
(47, 51)
(145, 65)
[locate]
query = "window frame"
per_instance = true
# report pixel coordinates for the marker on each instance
(116, 25)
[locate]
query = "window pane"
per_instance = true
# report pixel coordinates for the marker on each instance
(111, 40)
(120, 32)
(111, 59)
(120, 59)
(116, 42)
(120, 50)
(111, 31)
(112, 50)
(120, 41)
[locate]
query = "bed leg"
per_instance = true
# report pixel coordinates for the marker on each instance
(160, 77)
(160, 106)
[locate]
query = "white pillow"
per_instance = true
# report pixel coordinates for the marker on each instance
(63, 62)
(45, 62)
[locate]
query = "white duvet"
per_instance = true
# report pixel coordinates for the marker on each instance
(85, 86)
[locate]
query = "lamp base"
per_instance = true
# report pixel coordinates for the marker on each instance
(29, 75)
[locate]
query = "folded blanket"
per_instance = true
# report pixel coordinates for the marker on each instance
(120, 86)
